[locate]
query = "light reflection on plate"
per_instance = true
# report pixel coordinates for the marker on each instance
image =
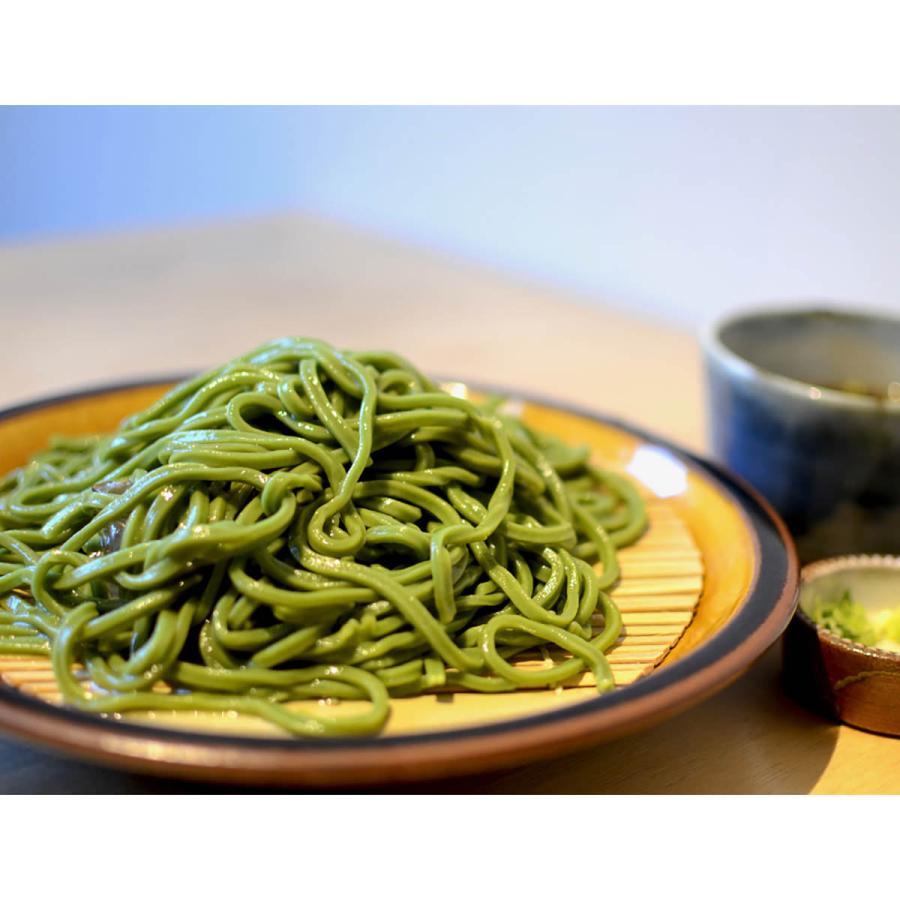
(658, 470)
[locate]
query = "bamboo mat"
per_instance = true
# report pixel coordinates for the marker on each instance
(658, 593)
(660, 586)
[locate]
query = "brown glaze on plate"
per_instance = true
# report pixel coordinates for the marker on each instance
(748, 596)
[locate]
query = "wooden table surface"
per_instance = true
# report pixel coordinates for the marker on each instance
(86, 311)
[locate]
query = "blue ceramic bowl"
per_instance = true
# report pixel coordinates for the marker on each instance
(805, 405)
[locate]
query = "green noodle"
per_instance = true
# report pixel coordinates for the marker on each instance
(309, 523)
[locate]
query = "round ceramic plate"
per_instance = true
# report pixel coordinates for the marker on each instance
(704, 593)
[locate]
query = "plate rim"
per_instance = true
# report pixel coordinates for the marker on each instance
(324, 762)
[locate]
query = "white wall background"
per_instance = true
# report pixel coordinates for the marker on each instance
(680, 212)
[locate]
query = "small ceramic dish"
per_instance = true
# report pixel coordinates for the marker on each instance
(851, 682)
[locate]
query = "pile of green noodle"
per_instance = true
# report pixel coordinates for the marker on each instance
(303, 523)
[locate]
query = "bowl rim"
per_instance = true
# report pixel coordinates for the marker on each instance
(755, 626)
(715, 348)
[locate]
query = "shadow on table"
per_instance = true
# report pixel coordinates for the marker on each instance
(748, 739)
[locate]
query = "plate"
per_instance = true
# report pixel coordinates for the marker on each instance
(709, 588)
